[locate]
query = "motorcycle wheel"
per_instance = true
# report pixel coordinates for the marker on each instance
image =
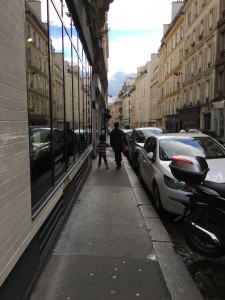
(211, 220)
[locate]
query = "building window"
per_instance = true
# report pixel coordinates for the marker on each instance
(195, 10)
(59, 101)
(189, 18)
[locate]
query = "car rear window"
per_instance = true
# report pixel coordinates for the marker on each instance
(149, 132)
(198, 146)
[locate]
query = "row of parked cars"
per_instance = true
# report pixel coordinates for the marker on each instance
(45, 140)
(150, 152)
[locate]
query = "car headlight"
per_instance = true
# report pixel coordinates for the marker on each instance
(174, 184)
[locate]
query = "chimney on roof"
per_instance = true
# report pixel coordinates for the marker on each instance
(175, 8)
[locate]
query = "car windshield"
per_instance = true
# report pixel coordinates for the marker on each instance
(40, 135)
(197, 146)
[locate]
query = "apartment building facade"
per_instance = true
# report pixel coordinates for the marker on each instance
(199, 60)
(141, 84)
(152, 100)
(191, 91)
(133, 107)
(170, 71)
(116, 112)
(218, 104)
(190, 71)
(126, 102)
(154, 92)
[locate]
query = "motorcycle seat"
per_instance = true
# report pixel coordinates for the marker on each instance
(218, 187)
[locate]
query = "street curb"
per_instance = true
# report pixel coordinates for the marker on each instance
(178, 279)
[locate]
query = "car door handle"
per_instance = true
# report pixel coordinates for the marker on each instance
(144, 161)
(141, 156)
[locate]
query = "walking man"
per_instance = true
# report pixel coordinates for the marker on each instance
(117, 139)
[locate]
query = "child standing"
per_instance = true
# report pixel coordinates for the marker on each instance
(102, 151)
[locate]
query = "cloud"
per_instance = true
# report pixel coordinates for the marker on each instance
(136, 30)
(116, 82)
(131, 50)
(130, 15)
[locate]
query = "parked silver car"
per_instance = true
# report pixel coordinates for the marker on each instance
(155, 157)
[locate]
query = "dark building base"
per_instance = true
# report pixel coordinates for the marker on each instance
(22, 278)
(185, 119)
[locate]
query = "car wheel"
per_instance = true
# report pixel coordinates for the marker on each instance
(157, 199)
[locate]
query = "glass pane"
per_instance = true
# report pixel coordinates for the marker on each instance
(67, 18)
(75, 96)
(87, 99)
(57, 93)
(82, 132)
(82, 94)
(70, 135)
(74, 37)
(89, 114)
(58, 5)
(38, 99)
(80, 48)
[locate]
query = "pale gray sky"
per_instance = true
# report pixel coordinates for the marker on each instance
(136, 30)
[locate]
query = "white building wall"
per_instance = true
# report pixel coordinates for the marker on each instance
(16, 225)
(15, 204)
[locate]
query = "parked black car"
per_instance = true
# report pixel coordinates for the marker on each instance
(127, 133)
(42, 142)
(214, 135)
(136, 141)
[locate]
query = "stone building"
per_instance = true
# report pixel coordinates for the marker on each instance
(170, 70)
(218, 101)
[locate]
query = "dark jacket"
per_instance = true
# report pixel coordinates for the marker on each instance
(117, 137)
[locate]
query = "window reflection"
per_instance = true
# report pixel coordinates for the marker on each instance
(67, 17)
(38, 98)
(58, 4)
(59, 94)
(71, 139)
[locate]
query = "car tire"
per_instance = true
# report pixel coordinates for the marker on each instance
(157, 199)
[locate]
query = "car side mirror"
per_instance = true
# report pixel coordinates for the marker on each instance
(151, 156)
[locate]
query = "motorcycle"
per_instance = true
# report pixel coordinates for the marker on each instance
(203, 219)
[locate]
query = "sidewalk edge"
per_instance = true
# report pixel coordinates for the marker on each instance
(178, 279)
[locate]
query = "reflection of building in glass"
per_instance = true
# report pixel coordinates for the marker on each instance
(49, 109)
(57, 95)
(70, 104)
(37, 67)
